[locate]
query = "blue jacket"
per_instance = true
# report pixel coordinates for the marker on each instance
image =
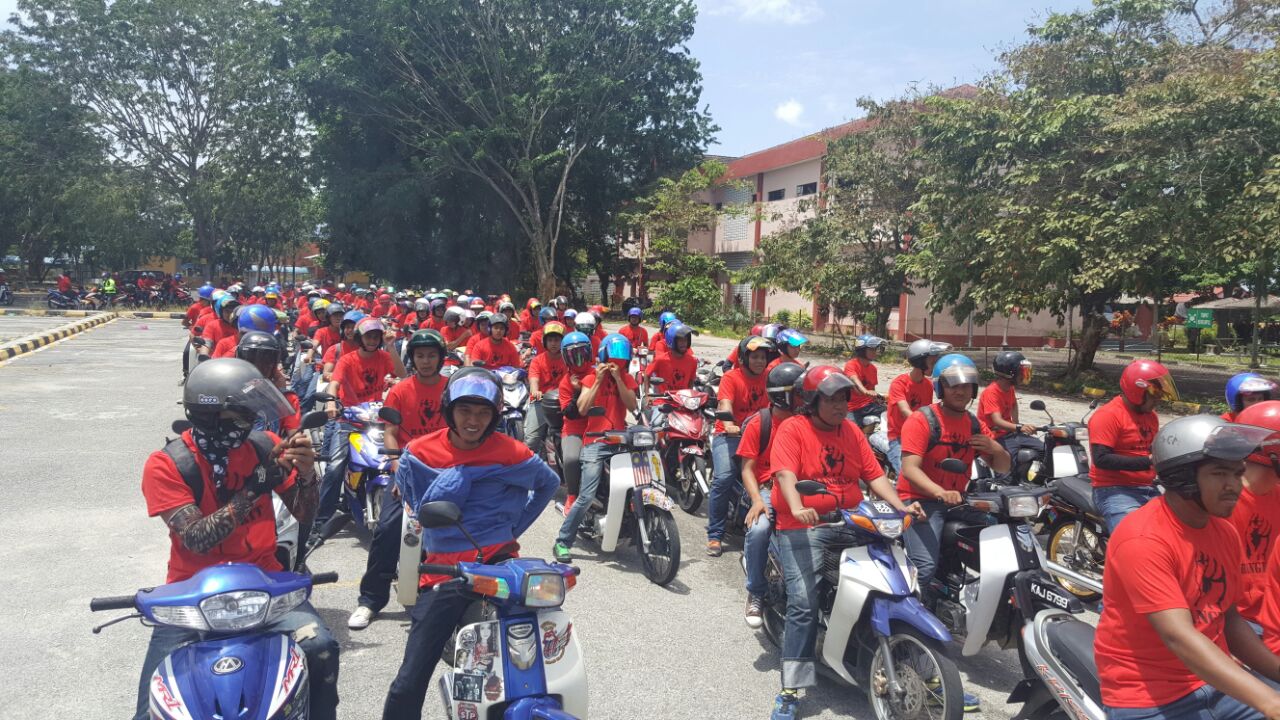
(498, 502)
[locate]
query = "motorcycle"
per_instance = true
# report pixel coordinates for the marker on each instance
(683, 436)
(263, 673)
(6, 295)
(58, 301)
(873, 631)
(633, 499)
(514, 654)
(994, 584)
(368, 467)
(515, 401)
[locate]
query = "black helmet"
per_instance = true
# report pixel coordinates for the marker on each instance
(1013, 366)
(428, 339)
(257, 346)
(474, 385)
(230, 384)
(753, 343)
(780, 385)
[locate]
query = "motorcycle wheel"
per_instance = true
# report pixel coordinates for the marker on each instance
(52, 305)
(375, 507)
(662, 561)
(929, 680)
(775, 602)
(1064, 548)
(690, 491)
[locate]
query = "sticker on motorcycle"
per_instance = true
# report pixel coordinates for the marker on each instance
(640, 469)
(468, 686)
(493, 688)
(467, 711)
(554, 642)
(652, 496)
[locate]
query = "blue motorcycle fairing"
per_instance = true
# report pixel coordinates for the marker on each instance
(218, 579)
(894, 574)
(907, 609)
(536, 708)
(249, 677)
(522, 684)
(514, 572)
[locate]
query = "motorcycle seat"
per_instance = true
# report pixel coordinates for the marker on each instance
(1077, 490)
(1071, 641)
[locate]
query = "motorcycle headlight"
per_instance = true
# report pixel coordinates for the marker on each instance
(642, 439)
(544, 590)
(891, 528)
(1021, 506)
(376, 436)
(282, 605)
(187, 616)
(237, 610)
(692, 403)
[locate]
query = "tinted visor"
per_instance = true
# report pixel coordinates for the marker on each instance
(1237, 442)
(475, 387)
(577, 355)
(1025, 371)
(260, 397)
(1163, 387)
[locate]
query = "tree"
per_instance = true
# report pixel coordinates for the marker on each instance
(517, 94)
(187, 91)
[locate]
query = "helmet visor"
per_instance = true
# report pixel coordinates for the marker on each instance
(260, 397)
(959, 375)
(1163, 387)
(1257, 385)
(475, 387)
(577, 355)
(1025, 371)
(1236, 442)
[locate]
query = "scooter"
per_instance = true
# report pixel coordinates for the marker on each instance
(992, 586)
(684, 432)
(6, 295)
(236, 665)
(58, 301)
(633, 499)
(873, 631)
(368, 467)
(1065, 453)
(515, 401)
(514, 655)
(1077, 533)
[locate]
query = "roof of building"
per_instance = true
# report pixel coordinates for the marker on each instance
(811, 147)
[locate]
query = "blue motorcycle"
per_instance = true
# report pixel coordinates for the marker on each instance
(521, 659)
(368, 468)
(873, 631)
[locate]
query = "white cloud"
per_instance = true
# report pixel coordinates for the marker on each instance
(789, 112)
(787, 12)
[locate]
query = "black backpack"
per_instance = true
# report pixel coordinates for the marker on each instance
(935, 425)
(766, 426)
(185, 460)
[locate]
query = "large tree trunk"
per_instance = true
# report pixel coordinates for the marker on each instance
(206, 243)
(543, 263)
(1091, 335)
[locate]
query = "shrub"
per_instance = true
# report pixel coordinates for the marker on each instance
(801, 320)
(782, 317)
(694, 299)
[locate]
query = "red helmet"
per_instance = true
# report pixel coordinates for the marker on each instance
(820, 380)
(1265, 415)
(757, 330)
(384, 298)
(1147, 377)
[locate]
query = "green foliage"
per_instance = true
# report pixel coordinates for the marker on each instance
(782, 317)
(801, 320)
(694, 299)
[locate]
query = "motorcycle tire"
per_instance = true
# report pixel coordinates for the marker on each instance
(662, 561)
(925, 690)
(690, 491)
(52, 305)
(375, 504)
(1060, 548)
(774, 603)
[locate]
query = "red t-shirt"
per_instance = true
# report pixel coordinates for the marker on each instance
(996, 399)
(778, 361)
(1154, 563)
(747, 393)
(576, 426)
(917, 394)
(657, 344)
(215, 331)
(495, 354)
(1128, 433)
(952, 442)
(1256, 519)
(305, 322)
(615, 413)
(535, 340)
(866, 372)
(837, 459)
(749, 445)
(226, 347)
(636, 334)
(64, 284)
(381, 310)
(326, 337)
(294, 421)
(419, 406)
(334, 353)
(362, 379)
(451, 334)
(679, 371)
(193, 313)
(254, 541)
(548, 370)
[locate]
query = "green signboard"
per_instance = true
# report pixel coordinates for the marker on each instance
(1199, 318)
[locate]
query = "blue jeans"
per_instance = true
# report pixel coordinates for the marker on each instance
(593, 459)
(331, 485)
(535, 428)
(1205, 703)
(1116, 502)
(755, 548)
(924, 539)
(800, 552)
(726, 483)
(320, 647)
(433, 619)
(384, 555)
(895, 455)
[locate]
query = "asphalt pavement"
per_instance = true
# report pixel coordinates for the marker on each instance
(13, 327)
(78, 420)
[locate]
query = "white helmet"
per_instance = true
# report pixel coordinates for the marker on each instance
(342, 286)
(259, 289)
(454, 313)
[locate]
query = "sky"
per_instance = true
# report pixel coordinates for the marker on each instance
(776, 70)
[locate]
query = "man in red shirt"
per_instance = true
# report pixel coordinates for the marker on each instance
(64, 283)
(822, 445)
(679, 366)
(496, 350)
(1120, 435)
(909, 392)
(861, 369)
(455, 330)
(633, 330)
(1257, 514)
(230, 517)
(418, 400)
(224, 309)
(1170, 642)
(576, 351)
(545, 373)
(998, 409)
(610, 387)
(943, 430)
(742, 392)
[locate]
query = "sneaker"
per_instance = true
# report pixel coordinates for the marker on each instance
(561, 551)
(971, 703)
(755, 612)
(568, 503)
(715, 548)
(786, 706)
(361, 618)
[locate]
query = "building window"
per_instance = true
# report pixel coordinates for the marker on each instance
(807, 189)
(775, 195)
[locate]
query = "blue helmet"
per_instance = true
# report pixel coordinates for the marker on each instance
(226, 300)
(576, 349)
(675, 330)
(546, 314)
(1247, 383)
(615, 347)
(257, 317)
(206, 291)
(954, 369)
(177, 276)
(352, 316)
(666, 319)
(790, 338)
(635, 312)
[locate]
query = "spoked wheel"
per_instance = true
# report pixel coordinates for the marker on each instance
(662, 560)
(775, 602)
(687, 479)
(1075, 551)
(375, 506)
(928, 682)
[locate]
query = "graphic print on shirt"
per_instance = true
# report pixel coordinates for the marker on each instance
(833, 463)
(1207, 605)
(1257, 543)
(427, 412)
(755, 397)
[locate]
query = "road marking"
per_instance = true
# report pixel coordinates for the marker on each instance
(31, 343)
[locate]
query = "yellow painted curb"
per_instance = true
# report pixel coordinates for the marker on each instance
(39, 340)
(1186, 407)
(1094, 392)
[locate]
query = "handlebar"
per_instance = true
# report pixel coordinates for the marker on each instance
(439, 569)
(324, 578)
(115, 602)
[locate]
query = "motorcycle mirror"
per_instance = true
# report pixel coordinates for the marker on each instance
(1094, 405)
(810, 487)
(439, 514)
(390, 415)
(596, 411)
(180, 426)
(198, 342)
(724, 415)
(314, 419)
(306, 344)
(1037, 405)
(953, 465)
(324, 397)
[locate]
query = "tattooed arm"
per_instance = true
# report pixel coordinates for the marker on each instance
(201, 533)
(302, 500)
